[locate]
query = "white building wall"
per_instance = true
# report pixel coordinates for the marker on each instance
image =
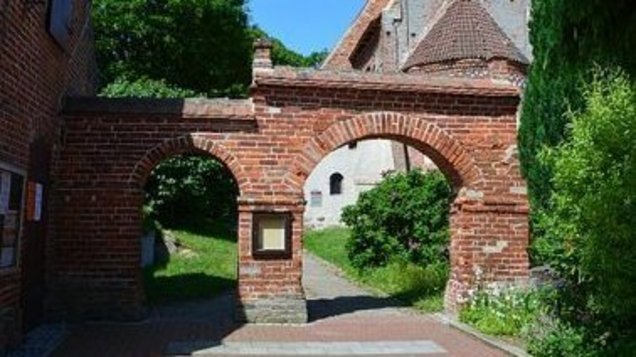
(362, 167)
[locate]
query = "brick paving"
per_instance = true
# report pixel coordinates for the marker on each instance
(341, 313)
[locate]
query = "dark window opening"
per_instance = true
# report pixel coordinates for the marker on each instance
(335, 184)
(60, 21)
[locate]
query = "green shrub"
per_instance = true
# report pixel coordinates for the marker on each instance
(188, 189)
(405, 216)
(506, 312)
(567, 38)
(145, 87)
(590, 237)
(552, 337)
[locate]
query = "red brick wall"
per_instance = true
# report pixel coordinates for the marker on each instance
(35, 73)
(467, 129)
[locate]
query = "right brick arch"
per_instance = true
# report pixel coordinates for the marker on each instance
(489, 216)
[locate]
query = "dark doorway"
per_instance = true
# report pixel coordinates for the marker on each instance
(34, 243)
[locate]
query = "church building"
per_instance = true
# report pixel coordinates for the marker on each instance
(462, 39)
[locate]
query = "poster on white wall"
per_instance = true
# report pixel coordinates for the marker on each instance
(5, 191)
(39, 191)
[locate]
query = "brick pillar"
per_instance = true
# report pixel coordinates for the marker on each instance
(262, 62)
(489, 245)
(270, 290)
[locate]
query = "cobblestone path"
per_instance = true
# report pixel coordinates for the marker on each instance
(345, 320)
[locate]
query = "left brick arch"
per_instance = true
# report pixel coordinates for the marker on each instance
(187, 144)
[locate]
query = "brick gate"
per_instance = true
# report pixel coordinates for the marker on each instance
(270, 143)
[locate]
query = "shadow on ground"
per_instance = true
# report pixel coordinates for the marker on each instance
(184, 287)
(319, 309)
(196, 320)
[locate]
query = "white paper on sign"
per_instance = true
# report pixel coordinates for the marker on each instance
(5, 191)
(39, 190)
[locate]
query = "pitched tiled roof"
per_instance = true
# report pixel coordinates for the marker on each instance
(466, 30)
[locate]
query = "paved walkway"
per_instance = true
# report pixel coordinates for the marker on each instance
(345, 320)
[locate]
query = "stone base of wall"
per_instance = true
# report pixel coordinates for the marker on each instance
(285, 310)
(9, 329)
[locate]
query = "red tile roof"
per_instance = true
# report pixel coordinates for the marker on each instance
(465, 31)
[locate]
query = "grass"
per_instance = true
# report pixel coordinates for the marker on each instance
(204, 265)
(421, 287)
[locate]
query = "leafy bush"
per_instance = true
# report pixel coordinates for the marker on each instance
(590, 236)
(552, 337)
(145, 87)
(405, 216)
(504, 312)
(588, 228)
(567, 38)
(186, 189)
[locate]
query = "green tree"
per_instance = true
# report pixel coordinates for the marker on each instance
(590, 235)
(405, 216)
(188, 189)
(200, 45)
(568, 37)
(145, 88)
(180, 47)
(281, 55)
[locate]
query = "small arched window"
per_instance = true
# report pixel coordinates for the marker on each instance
(335, 184)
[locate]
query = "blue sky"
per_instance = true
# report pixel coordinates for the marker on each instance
(305, 25)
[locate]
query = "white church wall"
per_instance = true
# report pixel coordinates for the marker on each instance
(361, 167)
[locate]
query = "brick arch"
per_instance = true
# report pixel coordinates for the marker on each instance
(187, 144)
(445, 151)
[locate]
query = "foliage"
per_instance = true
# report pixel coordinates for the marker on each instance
(282, 55)
(582, 191)
(422, 287)
(567, 37)
(590, 231)
(588, 235)
(201, 45)
(188, 188)
(405, 216)
(502, 312)
(550, 337)
(204, 266)
(145, 88)
(178, 48)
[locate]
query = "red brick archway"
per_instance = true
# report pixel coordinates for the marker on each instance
(445, 151)
(271, 143)
(450, 157)
(193, 144)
